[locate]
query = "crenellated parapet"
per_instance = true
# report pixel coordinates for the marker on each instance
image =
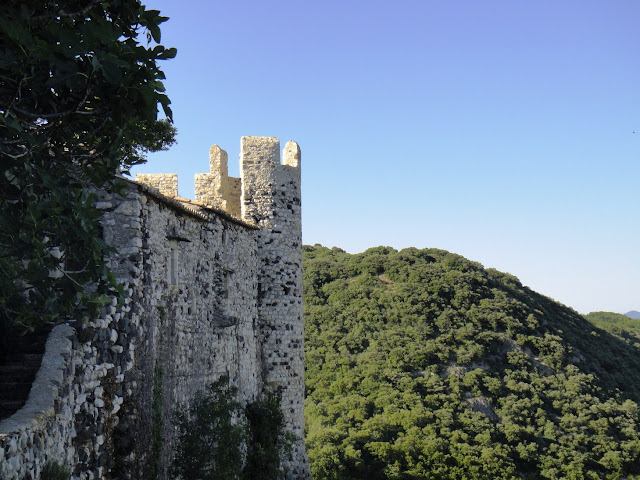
(268, 185)
(265, 184)
(217, 188)
(267, 196)
(166, 183)
(271, 200)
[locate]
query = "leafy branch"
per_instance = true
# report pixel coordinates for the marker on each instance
(80, 99)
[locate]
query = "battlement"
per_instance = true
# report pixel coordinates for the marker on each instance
(266, 196)
(166, 183)
(262, 175)
(217, 188)
(263, 154)
(206, 293)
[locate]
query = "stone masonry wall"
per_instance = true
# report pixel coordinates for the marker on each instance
(217, 188)
(271, 199)
(198, 299)
(176, 333)
(205, 295)
(74, 404)
(166, 183)
(45, 423)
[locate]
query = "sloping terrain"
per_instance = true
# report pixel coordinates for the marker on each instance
(421, 364)
(622, 326)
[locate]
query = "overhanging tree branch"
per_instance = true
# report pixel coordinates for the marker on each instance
(69, 122)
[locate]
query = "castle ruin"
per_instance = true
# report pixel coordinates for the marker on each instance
(212, 287)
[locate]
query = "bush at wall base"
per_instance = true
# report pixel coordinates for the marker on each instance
(254, 436)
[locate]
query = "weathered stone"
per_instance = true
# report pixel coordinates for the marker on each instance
(166, 183)
(207, 293)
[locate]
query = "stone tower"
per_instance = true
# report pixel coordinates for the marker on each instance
(271, 200)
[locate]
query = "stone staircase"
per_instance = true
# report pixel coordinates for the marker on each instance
(18, 370)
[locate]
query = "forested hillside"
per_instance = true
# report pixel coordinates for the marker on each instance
(421, 364)
(622, 326)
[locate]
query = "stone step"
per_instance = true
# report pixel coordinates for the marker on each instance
(12, 368)
(28, 346)
(30, 343)
(9, 408)
(18, 373)
(18, 367)
(28, 360)
(14, 391)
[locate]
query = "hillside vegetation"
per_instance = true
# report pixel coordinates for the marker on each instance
(622, 326)
(421, 364)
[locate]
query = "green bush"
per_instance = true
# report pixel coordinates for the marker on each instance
(54, 471)
(218, 439)
(420, 364)
(209, 437)
(268, 442)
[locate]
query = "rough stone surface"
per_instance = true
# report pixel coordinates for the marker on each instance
(271, 199)
(217, 188)
(166, 183)
(206, 295)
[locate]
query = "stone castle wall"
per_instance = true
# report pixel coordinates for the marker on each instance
(207, 294)
(217, 188)
(199, 303)
(74, 406)
(166, 183)
(271, 199)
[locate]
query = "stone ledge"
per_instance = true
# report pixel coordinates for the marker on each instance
(45, 388)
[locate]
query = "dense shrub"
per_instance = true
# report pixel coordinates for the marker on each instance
(218, 439)
(423, 365)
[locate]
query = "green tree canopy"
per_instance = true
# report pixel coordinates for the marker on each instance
(80, 88)
(622, 326)
(421, 364)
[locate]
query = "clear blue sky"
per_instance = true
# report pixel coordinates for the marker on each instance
(499, 130)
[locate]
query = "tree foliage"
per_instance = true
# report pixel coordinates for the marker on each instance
(80, 87)
(622, 326)
(210, 437)
(219, 439)
(267, 440)
(421, 364)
